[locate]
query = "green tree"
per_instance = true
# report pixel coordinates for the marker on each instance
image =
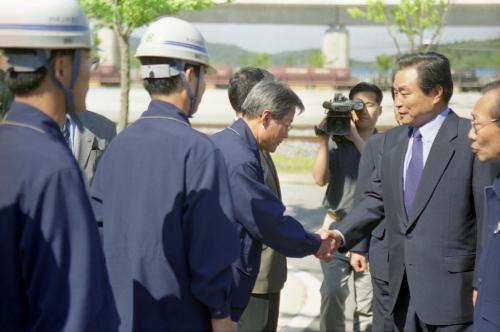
(261, 60)
(383, 63)
(289, 61)
(412, 18)
(315, 59)
(124, 16)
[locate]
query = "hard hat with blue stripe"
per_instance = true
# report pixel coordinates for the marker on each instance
(171, 37)
(47, 24)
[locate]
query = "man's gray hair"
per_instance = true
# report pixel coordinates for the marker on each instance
(273, 96)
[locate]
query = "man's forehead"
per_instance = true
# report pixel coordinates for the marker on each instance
(484, 106)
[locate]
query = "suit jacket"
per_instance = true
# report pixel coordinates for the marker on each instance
(91, 142)
(435, 246)
(376, 243)
(272, 273)
(487, 309)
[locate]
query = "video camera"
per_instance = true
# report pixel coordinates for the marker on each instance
(338, 118)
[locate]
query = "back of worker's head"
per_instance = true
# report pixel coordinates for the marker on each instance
(168, 50)
(242, 82)
(33, 34)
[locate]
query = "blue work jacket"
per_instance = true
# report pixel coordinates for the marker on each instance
(162, 194)
(487, 309)
(52, 271)
(259, 213)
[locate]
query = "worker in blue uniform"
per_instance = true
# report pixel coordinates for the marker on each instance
(52, 270)
(485, 142)
(162, 194)
(267, 114)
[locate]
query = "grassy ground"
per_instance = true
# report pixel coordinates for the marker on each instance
(293, 164)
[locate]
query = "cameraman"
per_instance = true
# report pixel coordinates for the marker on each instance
(337, 165)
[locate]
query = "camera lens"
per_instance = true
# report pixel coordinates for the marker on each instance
(358, 105)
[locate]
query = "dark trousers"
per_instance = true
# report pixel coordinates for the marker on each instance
(261, 314)
(382, 319)
(406, 318)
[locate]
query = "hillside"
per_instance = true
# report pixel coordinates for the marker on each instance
(463, 55)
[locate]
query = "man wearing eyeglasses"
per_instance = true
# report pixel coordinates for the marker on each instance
(485, 143)
(267, 114)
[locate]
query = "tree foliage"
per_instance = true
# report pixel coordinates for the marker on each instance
(412, 19)
(124, 16)
(315, 59)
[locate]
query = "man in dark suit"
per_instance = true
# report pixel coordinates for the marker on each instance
(262, 311)
(428, 187)
(376, 244)
(485, 137)
(91, 141)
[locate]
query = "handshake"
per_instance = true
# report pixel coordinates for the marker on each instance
(330, 241)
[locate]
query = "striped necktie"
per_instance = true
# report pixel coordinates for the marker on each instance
(66, 133)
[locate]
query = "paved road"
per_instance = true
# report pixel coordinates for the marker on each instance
(300, 304)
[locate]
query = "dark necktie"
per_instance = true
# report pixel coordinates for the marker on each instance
(414, 171)
(66, 134)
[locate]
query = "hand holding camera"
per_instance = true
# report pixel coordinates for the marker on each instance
(340, 118)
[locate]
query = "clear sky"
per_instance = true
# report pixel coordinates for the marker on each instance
(365, 42)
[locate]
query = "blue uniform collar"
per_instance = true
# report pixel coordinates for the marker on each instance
(31, 116)
(159, 108)
(241, 128)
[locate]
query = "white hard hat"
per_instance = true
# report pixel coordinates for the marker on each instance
(171, 37)
(47, 24)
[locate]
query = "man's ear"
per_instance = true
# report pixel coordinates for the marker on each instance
(62, 66)
(265, 117)
(189, 74)
(438, 93)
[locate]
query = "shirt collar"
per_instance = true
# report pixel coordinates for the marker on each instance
(243, 130)
(162, 108)
(430, 129)
(26, 114)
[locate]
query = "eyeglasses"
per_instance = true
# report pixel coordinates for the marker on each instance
(287, 125)
(477, 125)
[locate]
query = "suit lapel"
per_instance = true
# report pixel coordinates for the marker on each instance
(85, 142)
(439, 157)
(397, 159)
(274, 174)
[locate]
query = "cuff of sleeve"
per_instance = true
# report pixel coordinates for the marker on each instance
(316, 238)
(341, 236)
(219, 313)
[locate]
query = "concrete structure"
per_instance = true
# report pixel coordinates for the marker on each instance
(336, 47)
(331, 12)
(108, 47)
